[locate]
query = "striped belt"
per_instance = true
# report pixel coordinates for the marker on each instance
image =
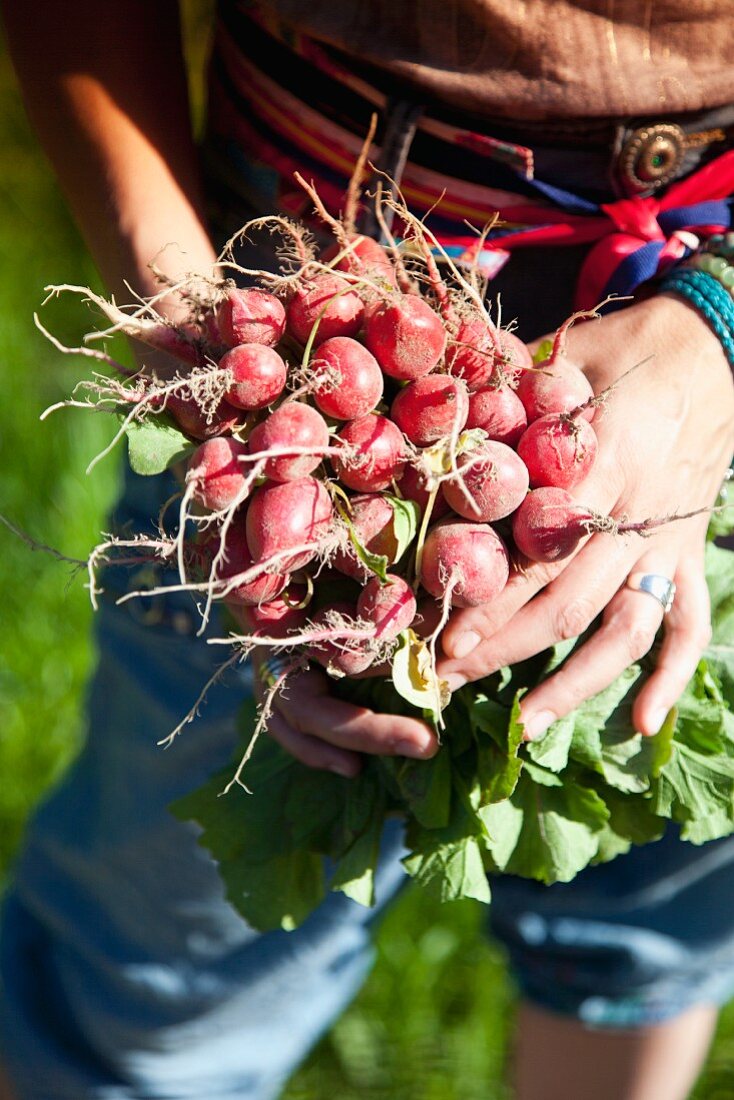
(545, 193)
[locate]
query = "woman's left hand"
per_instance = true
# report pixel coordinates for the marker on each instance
(666, 437)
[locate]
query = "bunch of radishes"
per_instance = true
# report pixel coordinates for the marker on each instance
(369, 442)
(360, 387)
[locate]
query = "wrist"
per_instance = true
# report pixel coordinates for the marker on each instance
(681, 324)
(708, 295)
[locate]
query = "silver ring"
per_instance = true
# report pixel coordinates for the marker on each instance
(656, 585)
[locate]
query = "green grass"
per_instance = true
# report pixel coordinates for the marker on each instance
(43, 488)
(434, 1019)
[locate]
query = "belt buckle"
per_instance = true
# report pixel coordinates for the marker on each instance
(651, 156)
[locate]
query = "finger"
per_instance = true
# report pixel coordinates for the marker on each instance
(467, 628)
(308, 708)
(312, 751)
(687, 633)
(563, 610)
(627, 631)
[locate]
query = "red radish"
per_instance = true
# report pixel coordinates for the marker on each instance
(238, 559)
(518, 357)
(413, 486)
(549, 524)
(347, 662)
(406, 337)
(472, 352)
(182, 342)
(372, 519)
(282, 516)
(431, 409)
(558, 450)
(496, 479)
(328, 300)
(278, 617)
(557, 385)
(554, 388)
(258, 373)
(194, 422)
(216, 473)
(366, 257)
(352, 383)
(390, 606)
(251, 316)
(293, 424)
(377, 454)
(499, 412)
(340, 657)
(469, 557)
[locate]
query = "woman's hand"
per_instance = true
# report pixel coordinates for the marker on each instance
(666, 436)
(324, 732)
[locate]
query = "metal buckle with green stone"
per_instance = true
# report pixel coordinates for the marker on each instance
(652, 155)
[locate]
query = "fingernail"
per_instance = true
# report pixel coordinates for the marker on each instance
(536, 725)
(343, 770)
(416, 750)
(455, 681)
(656, 720)
(465, 643)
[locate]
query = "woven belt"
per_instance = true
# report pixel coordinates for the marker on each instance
(563, 189)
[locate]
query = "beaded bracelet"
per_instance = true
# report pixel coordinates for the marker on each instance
(704, 291)
(714, 257)
(719, 244)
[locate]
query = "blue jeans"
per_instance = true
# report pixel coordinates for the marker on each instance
(125, 972)
(127, 975)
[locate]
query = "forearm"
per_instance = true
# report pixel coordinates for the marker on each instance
(105, 88)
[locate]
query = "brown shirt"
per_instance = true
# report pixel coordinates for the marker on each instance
(538, 59)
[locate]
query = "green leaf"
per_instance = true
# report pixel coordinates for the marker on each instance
(312, 807)
(156, 443)
(489, 716)
(376, 563)
(722, 523)
(697, 791)
(449, 868)
(362, 802)
(406, 517)
(270, 883)
(631, 821)
(426, 787)
(404, 524)
(498, 763)
(628, 762)
(700, 713)
(415, 678)
(546, 832)
(269, 873)
(543, 351)
(279, 892)
(355, 872)
(552, 749)
(719, 654)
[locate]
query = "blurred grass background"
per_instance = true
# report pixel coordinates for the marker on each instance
(434, 1020)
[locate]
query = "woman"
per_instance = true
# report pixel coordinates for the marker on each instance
(145, 983)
